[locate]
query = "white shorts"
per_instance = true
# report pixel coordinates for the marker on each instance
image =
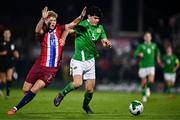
(84, 68)
(144, 72)
(170, 77)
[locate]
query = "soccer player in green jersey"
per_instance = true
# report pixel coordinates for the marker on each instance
(82, 66)
(170, 63)
(148, 52)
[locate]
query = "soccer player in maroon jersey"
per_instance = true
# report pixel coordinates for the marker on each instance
(46, 65)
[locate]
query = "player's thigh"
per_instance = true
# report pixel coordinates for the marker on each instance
(151, 78)
(76, 67)
(77, 80)
(38, 85)
(89, 68)
(167, 77)
(143, 81)
(27, 86)
(76, 70)
(173, 78)
(170, 78)
(9, 73)
(168, 82)
(89, 85)
(151, 74)
(3, 77)
(142, 73)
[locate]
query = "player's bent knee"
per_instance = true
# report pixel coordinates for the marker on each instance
(77, 84)
(25, 92)
(38, 85)
(25, 89)
(89, 90)
(9, 78)
(143, 82)
(151, 81)
(35, 89)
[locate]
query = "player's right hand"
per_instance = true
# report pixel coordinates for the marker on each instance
(174, 69)
(141, 55)
(62, 42)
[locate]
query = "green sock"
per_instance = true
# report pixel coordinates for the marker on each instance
(148, 84)
(68, 88)
(168, 89)
(143, 90)
(87, 98)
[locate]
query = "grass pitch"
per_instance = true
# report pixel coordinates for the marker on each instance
(106, 105)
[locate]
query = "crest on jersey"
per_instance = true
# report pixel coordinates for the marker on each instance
(12, 47)
(98, 30)
(153, 47)
(168, 61)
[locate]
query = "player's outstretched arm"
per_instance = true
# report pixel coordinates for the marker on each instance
(39, 26)
(106, 43)
(138, 53)
(77, 20)
(64, 36)
(159, 62)
(3, 53)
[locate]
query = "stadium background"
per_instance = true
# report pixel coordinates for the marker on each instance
(124, 21)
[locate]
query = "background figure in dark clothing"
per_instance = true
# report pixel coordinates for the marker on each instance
(8, 57)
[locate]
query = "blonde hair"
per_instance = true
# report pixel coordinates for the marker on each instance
(52, 14)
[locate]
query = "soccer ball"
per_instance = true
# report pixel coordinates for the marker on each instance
(136, 107)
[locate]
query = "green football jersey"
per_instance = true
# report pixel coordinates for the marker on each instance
(150, 51)
(86, 37)
(170, 62)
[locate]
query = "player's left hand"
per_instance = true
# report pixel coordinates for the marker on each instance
(107, 43)
(16, 54)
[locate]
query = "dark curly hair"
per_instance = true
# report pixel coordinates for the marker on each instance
(95, 11)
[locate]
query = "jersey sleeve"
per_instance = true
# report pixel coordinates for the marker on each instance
(176, 60)
(38, 36)
(137, 51)
(62, 27)
(103, 34)
(80, 28)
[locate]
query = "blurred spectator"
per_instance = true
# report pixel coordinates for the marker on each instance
(8, 57)
(161, 29)
(172, 28)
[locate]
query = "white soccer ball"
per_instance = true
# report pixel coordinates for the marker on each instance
(136, 107)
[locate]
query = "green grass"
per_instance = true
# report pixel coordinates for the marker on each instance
(106, 105)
